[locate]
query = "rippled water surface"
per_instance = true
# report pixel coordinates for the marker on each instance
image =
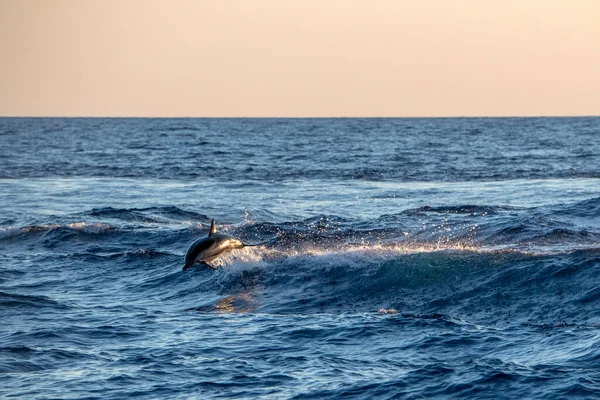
(404, 258)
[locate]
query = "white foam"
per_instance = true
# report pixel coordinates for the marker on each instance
(360, 254)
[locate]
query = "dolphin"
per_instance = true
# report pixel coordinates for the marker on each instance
(207, 248)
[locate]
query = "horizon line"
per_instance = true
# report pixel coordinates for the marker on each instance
(294, 117)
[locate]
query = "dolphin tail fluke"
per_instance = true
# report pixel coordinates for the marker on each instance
(213, 228)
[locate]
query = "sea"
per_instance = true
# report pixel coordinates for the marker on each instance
(401, 258)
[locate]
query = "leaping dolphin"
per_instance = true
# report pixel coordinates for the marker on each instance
(206, 249)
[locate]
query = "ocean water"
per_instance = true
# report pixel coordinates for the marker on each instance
(405, 258)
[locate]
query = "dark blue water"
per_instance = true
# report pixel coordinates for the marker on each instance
(407, 258)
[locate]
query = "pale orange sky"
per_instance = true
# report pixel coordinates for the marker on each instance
(291, 58)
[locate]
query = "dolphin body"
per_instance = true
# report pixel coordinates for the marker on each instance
(206, 249)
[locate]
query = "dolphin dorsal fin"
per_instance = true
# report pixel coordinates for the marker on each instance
(213, 228)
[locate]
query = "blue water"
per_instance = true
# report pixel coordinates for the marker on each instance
(406, 258)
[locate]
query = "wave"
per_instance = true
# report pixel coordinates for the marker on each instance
(474, 262)
(81, 227)
(583, 209)
(504, 286)
(474, 224)
(461, 209)
(25, 359)
(21, 301)
(127, 255)
(148, 215)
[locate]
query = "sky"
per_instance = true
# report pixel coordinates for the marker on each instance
(299, 58)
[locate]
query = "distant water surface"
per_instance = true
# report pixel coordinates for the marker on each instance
(407, 258)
